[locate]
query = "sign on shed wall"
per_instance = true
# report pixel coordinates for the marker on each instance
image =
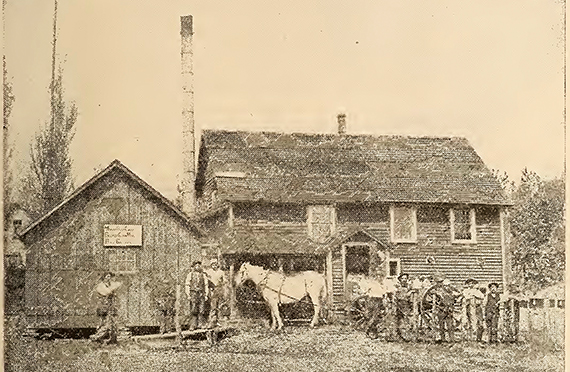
(122, 235)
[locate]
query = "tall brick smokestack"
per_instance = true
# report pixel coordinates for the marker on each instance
(188, 151)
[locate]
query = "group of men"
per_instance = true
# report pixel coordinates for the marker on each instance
(200, 286)
(479, 307)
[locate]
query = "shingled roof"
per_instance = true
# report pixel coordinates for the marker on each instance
(280, 167)
(288, 240)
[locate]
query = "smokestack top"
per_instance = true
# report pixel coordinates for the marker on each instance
(186, 33)
(341, 120)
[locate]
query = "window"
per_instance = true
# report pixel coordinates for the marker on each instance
(403, 224)
(17, 226)
(393, 267)
(462, 225)
(122, 260)
(321, 222)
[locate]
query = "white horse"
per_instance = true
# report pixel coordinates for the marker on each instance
(278, 288)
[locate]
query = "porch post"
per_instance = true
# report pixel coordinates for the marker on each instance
(329, 280)
(233, 308)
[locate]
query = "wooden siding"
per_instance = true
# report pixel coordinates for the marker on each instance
(481, 260)
(338, 289)
(67, 257)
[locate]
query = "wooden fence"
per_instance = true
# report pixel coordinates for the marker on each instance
(533, 319)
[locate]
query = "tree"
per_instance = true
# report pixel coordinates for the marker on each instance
(537, 229)
(50, 178)
(8, 149)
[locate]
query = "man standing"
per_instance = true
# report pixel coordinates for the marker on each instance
(492, 312)
(197, 292)
(444, 308)
(106, 310)
(164, 299)
(217, 280)
(403, 303)
(473, 308)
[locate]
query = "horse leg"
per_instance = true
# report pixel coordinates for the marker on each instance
(273, 319)
(317, 310)
(277, 322)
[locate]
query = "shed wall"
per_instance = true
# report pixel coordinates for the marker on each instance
(67, 259)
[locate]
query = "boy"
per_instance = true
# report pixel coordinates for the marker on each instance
(492, 312)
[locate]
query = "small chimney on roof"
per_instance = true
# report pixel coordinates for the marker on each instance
(341, 119)
(188, 151)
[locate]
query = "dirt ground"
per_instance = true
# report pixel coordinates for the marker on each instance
(328, 348)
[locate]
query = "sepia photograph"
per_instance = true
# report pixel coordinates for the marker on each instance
(294, 185)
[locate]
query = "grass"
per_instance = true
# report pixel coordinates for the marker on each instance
(329, 348)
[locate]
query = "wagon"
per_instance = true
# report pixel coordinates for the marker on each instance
(431, 306)
(376, 312)
(370, 305)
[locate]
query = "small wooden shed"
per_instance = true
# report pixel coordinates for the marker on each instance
(114, 222)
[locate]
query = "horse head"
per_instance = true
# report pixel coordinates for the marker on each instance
(243, 273)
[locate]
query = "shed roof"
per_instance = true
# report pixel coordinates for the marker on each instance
(283, 240)
(115, 167)
(298, 167)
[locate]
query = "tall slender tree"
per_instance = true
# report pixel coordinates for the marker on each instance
(50, 177)
(8, 149)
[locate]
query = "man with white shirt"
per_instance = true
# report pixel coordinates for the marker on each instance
(217, 280)
(473, 302)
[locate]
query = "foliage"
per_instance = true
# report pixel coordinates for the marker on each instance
(8, 149)
(49, 178)
(537, 247)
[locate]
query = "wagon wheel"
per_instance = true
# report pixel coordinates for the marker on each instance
(430, 305)
(358, 313)
(407, 328)
(429, 320)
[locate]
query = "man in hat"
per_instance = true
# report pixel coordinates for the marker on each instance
(403, 303)
(492, 312)
(197, 292)
(444, 309)
(216, 281)
(472, 305)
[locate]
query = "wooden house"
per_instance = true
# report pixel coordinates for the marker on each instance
(114, 222)
(350, 205)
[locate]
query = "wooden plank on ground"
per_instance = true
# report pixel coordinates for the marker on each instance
(204, 331)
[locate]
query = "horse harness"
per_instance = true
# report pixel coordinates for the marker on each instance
(263, 285)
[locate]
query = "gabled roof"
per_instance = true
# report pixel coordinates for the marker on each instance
(297, 167)
(114, 167)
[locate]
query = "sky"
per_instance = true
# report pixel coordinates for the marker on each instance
(488, 70)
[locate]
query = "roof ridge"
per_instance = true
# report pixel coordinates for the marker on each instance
(372, 135)
(115, 164)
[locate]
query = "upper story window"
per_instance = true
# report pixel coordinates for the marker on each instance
(403, 224)
(321, 222)
(462, 221)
